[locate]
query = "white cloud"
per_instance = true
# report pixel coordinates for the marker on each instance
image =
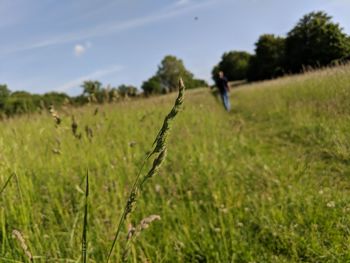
(79, 50)
(94, 75)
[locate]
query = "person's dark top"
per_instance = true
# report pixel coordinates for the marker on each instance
(222, 84)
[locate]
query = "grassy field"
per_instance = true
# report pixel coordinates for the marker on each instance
(268, 182)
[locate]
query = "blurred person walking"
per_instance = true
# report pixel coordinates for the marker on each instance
(224, 89)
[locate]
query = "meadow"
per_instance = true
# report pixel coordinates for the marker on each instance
(267, 182)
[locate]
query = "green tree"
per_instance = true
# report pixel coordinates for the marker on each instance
(127, 90)
(22, 102)
(167, 77)
(93, 90)
(268, 60)
(169, 71)
(55, 98)
(4, 94)
(152, 86)
(91, 87)
(4, 91)
(315, 41)
(234, 64)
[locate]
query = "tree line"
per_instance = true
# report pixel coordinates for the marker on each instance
(314, 42)
(164, 81)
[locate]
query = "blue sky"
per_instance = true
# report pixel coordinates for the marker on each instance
(54, 45)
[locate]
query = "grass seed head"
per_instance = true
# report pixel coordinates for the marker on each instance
(19, 237)
(55, 115)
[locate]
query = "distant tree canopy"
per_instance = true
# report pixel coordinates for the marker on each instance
(152, 86)
(21, 102)
(55, 98)
(167, 77)
(91, 88)
(4, 94)
(268, 60)
(169, 71)
(127, 90)
(165, 80)
(234, 64)
(315, 41)
(4, 91)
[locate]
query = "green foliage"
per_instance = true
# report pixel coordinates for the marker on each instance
(91, 87)
(166, 78)
(169, 71)
(152, 86)
(268, 60)
(315, 41)
(4, 91)
(55, 98)
(234, 64)
(20, 102)
(198, 83)
(4, 94)
(127, 90)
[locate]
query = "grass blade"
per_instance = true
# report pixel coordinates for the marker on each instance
(6, 183)
(85, 224)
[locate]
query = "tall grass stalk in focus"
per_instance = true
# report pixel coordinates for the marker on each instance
(85, 224)
(159, 148)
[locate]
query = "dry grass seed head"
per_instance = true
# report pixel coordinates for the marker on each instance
(18, 235)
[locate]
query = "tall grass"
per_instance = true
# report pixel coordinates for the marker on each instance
(266, 183)
(160, 148)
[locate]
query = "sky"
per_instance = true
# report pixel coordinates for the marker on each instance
(54, 45)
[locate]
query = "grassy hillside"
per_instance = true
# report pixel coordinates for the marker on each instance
(268, 182)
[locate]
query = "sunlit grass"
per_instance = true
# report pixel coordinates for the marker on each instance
(268, 182)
